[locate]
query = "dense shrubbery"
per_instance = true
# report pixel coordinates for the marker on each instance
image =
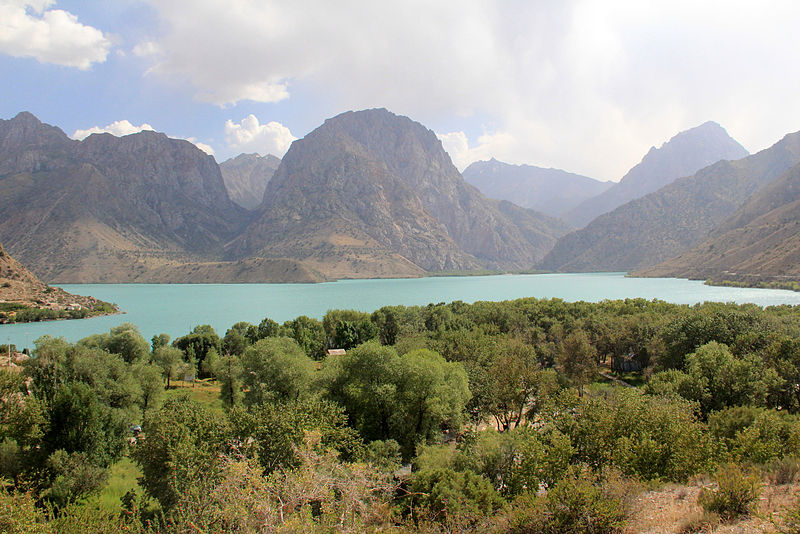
(578, 503)
(492, 404)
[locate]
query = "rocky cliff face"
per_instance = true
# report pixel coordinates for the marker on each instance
(27, 145)
(661, 225)
(683, 155)
(549, 191)
(108, 207)
(371, 191)
(246, 177)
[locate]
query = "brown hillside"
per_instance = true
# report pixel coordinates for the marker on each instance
(658, 226)
(758, 243)
(19, 286)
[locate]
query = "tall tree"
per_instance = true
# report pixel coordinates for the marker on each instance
(276, 369)
(169, 359)
(519, 384)
(198, 343)
(577, 359)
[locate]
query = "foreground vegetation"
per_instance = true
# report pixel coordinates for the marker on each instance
(489, 417)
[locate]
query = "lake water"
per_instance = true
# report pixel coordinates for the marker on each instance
(177, 308)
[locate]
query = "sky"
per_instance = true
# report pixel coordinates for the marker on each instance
(587, 86)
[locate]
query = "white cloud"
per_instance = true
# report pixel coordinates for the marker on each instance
(584, 85)
(208, 149)
(500, 145)
(250, 136)
(257, 92)
(117, 128)
(28, 28)
(456, 145)
(146, 49)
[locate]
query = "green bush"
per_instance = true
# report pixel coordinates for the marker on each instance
(19, 515)
(577, 504)
(451, 498)
(644, 436)
(517, 460)
(756, 435)
(736, 495)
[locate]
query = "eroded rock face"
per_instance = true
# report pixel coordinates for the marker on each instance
(759, 243)
(374, 183)
(366, 194)
(108, 203)
(27, 145)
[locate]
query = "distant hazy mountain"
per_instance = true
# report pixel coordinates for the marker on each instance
(550, 191)
(246, 177)
(760, 242)
(108, 208)
(370, 193)
(658, 226)
(683, 155)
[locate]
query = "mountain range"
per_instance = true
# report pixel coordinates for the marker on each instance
(759, 243)
(683, 155)
(370, 191)
(374, 194)
(658, 226)
(549, 191)
(366, 194)
(108, 208)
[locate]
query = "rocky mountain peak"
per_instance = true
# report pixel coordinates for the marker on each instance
(109, 204)
(28, 145)
(26, 128)
(687, 152)
(375, 181)
(683, 155)
(662, 224)
(150, 158)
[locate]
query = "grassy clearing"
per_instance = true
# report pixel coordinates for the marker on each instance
(121, 479)
(634, 379)
(205, 392)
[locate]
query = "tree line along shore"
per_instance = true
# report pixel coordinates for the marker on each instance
(521, 416)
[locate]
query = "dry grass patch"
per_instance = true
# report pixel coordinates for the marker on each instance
(674, 510)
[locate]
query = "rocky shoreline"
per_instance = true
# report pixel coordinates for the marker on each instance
(25, 298)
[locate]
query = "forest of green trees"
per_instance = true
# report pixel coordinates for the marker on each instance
(485, 417)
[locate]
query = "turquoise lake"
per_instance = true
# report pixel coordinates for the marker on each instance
(177, 308)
